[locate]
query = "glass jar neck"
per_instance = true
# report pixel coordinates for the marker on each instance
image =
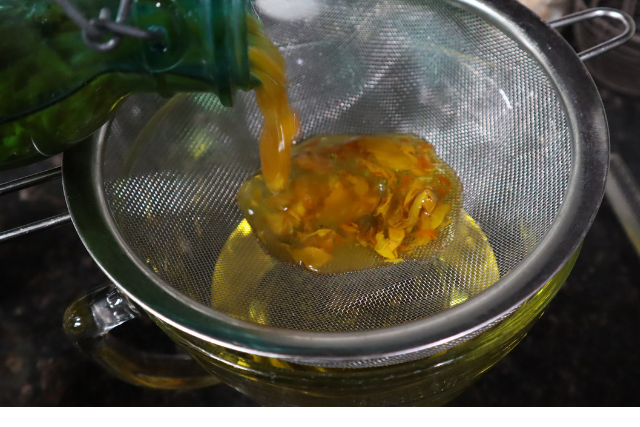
(204, 45)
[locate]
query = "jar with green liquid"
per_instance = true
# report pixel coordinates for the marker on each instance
(55, 90)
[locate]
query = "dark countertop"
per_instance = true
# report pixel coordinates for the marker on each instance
(584, 351)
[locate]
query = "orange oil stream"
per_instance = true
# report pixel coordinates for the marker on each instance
(281, 124)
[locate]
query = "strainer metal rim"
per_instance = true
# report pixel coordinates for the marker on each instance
(82, 173)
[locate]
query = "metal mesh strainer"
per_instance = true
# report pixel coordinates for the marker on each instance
(458, 74)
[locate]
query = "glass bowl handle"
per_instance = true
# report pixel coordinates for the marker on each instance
(88, 321)
(585, 15)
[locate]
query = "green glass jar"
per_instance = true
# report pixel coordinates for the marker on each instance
(57, 91)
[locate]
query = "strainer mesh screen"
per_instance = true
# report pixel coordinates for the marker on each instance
(172, 168)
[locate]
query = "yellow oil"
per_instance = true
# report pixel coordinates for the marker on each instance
(244, 283)
(281, 125)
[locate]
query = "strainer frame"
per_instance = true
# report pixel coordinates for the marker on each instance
(82, 174)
